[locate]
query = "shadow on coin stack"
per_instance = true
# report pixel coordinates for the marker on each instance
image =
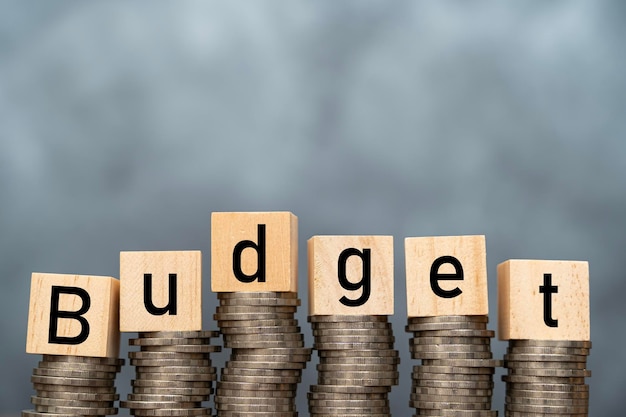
(357, 365)
(268, 354)
(546, 377)
(74, 385)
(456, 374)
(173, 374)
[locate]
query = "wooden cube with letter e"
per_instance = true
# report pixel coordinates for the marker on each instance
(446, 275)
(160, 291)
(254, 252)
(73, 315)
(350, 275)
(543, 300)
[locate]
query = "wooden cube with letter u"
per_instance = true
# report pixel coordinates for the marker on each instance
(350, 275)
(73, 315)
(160, 291)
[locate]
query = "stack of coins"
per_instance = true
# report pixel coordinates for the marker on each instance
(74, 385)
(267, 357)
(358, 365)
(546, 377)
(456, 374)
(173, 374)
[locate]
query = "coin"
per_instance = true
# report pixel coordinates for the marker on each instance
(37, 400)
(544, 358)
(182, 348)
(453, 370)
(458, 413)
(171, 412)
(547, 350)
(545, 365)
(461, 392)
(441, 398)
(251, 316)
(451, 355)
(54, 380)
(456, 333)
(192, 334)
(236, 309)
(110, 389)
(72, 373)
(359, 360)
(450, 340)
(167, 355)
(346, 318)
(450, 319)
(526, 379)
(361, 353)
(83, 359)
(323, 367)
(349, 389)
(264, 294)
(79, 366)
(170, 362)
(242, 398)
(576, 373)
(260, 301)
(167, 383)
(254, 323)
(546, 409)
(420, 327)
(240, 386)
(233, 331)
(137, 390)
(434, 405)
(551, 343)
(85, 411)
(423, 347)
(548, 388)
(484, 363)
(354, 325)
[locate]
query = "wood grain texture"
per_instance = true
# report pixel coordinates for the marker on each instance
(420, 255)
(521, 303)
(252, 235)
(134, 313)
(102, 315)
(325, 289)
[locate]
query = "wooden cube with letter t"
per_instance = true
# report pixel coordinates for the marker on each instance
(73, 315)
(350, 275)
(543, 300)
(254, 252)
(446, 275)
(160, 291)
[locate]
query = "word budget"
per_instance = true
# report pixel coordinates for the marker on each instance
(347, 275)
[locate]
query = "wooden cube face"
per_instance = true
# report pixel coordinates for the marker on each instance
(254, 252)
(160, 291)
(350, 275)
(73, 315)
(543, 300)
(446, 275)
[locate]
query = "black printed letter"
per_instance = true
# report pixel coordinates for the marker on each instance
(547, 289)
(435, 276)
(260, 250)
(55, 315)
(147, 296)
(365, 281)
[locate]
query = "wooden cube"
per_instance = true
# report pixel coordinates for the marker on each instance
(543, 300)
(160, 291)
(253, 252)
(446, 275)
(350, 275)
(73, 315)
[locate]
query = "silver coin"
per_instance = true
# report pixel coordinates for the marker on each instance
(163, 341)
(368, 382)
(354, 339)
(530, 379)
(444, 340)
(250, 324)
(244, 387)
(547, 350)
(180, 334)
(237, 309)
(546, 409)
(349, 410)
(167, 397)
(450, 319)
(321, 367)
(354, 374)
(253, 379)
(421, 327)
(549, 388)
(56, 380)
(164, 376)
(458, 413)
(263, 344)
(421, 376)
(450, 384)
(361, 353)
(243, 399)
(452, 355)
(254, 407)
(466, 363)
(169, 383)
(350, 389)
(62, 402)
(348, 403)
(551, 343)
(352, 325)
(262, 394)
(387, 333)
(347, 318)
(235, 368)
(172, 412)
(544, 365)
(221, 317)
(172, 391)
(150, 405)
(175, 369)
(544, 358)
(276, 351)
(182, 348)
(433, 405)
(455, 333)
(260, 301)
(168, 355)
(233, 331)
(263, 337)
(78, 396)
(281, 361)
(83, 359)
(79, 366)
(352, 346)
(422, 347)
(85, 411)
(259, 294)
(73, 373)
(570, 373)
(441, 398)
(170, 362)
(264, 366)
(461, 392)
(35, 413)
(45, 387)
(392, 360)
(345, 396)
(224, 413)
(453, 370)
(559, 402)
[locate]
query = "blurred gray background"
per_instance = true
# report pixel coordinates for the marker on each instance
(123, 125)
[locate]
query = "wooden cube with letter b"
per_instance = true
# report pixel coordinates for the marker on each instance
(543, 300)
(350, 275)
(446, 275)
(73, 315)
(254, 252)
(160, 291)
